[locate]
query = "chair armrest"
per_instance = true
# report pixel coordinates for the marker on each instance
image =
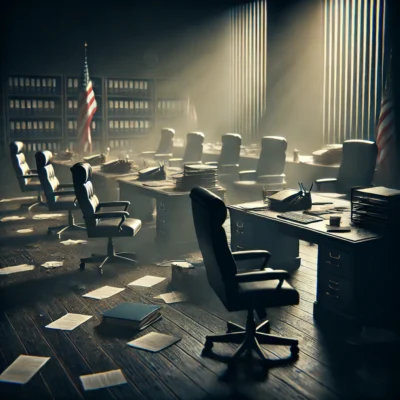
(112, 214)
(64, 193)
(257, 276)
(126, 204)
(324, 183)
(214, 163)
(30, 176)
(252, 255)
(148, 153)
(65, 185)
(248, 175)
(326, 180)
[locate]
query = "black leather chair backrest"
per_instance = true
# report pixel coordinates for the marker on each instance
(358, 165)
(230, 152)
(47, 177)
(209, 215)
(273, 156)
(166, 142)
(19, 163)
(88, 201)
(194, 147)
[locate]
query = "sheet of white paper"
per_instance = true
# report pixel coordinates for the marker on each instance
(47, 216)
(71, 242)
(53, 264)
(17, 199)
(27, 230)
(147, 281)
(154, 342)
(103, 293)
(11, 218)
(15, 269)
(103, 380)
(182, 264)
(69, 322)
(173, 297)
(23, 369)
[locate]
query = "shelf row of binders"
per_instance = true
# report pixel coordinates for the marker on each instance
(34, 84)
(128, 87)
(35, 129)
(124, 127)
(133, 107)
(25, 107)
(95, 127)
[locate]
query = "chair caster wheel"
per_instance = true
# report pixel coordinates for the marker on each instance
(82, 266)
(100, 271)
(294, 350)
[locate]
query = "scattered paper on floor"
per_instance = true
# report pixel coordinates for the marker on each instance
(172, 297)
(11, 218)
(71, 242)
(47, 216)
(147, 281)
(23, 369)
(16, 268)
(53, 264)
(69, 322)
(103, 380)
(154, 341)
(27, 230)
(103, 293)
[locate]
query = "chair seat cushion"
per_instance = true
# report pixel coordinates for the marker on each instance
(63, 203)
(265, 293)
(33, 186)
(109, 227)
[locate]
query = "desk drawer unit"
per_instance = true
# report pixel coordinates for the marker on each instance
(335, 261)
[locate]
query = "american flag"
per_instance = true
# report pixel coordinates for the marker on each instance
(386, 131)
(86, 109)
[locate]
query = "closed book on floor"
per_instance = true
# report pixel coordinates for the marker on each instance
(133, 315)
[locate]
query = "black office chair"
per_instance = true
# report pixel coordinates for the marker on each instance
(269, 173)
(57, 198)
(28, 179)
(193, 151)
(228, 162)
(101, 223)
(357, 168)
(165, 146)
(251, 291)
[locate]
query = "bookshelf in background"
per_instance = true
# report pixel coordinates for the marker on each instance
(129, 115)
(72, 91)
(35, 111)
(170, 106)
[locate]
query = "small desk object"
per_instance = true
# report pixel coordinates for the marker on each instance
(174, 221)
(347, 261)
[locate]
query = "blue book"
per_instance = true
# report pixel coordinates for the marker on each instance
(134, 315)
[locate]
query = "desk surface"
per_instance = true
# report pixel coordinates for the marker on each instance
(316, 230)
(166, 187)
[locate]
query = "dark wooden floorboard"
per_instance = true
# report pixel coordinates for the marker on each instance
(326, 369)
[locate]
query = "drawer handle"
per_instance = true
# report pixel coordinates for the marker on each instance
(332, 295)
(334, 257)
(333, 288)
(239, 224)
(333, 282)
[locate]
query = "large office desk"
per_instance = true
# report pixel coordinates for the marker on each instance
(174, 221)
(347, 262)
(105, 184)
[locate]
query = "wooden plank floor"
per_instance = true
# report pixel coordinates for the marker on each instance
(327, 368)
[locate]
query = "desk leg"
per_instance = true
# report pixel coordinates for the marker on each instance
(251, 233)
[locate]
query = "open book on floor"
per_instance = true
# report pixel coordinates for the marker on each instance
(137, 316)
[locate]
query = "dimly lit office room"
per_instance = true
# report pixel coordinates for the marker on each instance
(199, 199)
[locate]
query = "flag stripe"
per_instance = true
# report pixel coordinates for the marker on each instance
(86, 109)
